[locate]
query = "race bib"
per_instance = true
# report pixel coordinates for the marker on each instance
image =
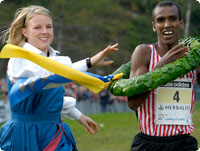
(174, 103)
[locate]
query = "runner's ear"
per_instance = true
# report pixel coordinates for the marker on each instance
(153, 26)
(181, 23)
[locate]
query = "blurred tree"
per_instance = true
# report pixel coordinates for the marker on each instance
(187, 21)
(60, 23)
(84, 27)
(28, 2)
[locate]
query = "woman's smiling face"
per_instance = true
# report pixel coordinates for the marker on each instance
(39, 31)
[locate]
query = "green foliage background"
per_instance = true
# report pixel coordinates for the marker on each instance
(88, 26)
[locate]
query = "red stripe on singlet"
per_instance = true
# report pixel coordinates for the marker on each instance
(190, 74)
(187, 76)
(152, 96)
(192, 102)
(171, 133)
(151, 103)
(145, 126)
(160, 130)
(193, 81)
(164, 130)
(167, 130)
(153, 92)
(153, 51)
(139, 110)
(156, 130)
(153, 111)
(149, 117)
(186, 129)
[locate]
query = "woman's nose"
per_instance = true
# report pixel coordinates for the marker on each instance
(44, 30)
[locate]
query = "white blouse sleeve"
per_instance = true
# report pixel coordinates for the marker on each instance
(18, 68)
(69, 109)
(80, 65)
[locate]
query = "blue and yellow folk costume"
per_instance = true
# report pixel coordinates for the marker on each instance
(36, 99)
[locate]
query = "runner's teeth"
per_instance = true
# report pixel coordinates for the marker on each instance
(168, 32)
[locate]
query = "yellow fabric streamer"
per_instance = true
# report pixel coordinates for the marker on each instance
(92, 83)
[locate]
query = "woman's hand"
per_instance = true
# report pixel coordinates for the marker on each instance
(98, 59)
(90, 125)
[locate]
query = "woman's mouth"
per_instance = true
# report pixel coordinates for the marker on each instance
(44, 39)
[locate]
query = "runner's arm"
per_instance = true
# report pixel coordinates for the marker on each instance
(140, 61)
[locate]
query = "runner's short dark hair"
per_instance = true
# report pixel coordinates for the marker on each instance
(168, 3)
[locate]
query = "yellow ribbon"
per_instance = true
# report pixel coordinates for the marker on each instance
(92, 83)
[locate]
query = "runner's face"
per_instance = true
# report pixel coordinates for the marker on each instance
(39, 31)
(167, 24)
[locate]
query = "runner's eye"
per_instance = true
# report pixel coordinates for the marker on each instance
(173, 18)
(160, 19)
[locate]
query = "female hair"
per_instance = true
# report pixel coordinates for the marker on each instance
(13, 35)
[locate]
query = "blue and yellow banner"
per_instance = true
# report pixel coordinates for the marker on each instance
(27, 86)
(66, 74)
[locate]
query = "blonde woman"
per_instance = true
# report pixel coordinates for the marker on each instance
(35, 124)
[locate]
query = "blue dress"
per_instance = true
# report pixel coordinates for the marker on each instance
(36, 124)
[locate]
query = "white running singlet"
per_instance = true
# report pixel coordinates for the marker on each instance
(148, 111)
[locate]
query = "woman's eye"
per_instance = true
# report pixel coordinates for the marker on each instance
(49, 26)
(37, 27)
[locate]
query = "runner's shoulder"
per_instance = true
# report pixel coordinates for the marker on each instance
(142, 51)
